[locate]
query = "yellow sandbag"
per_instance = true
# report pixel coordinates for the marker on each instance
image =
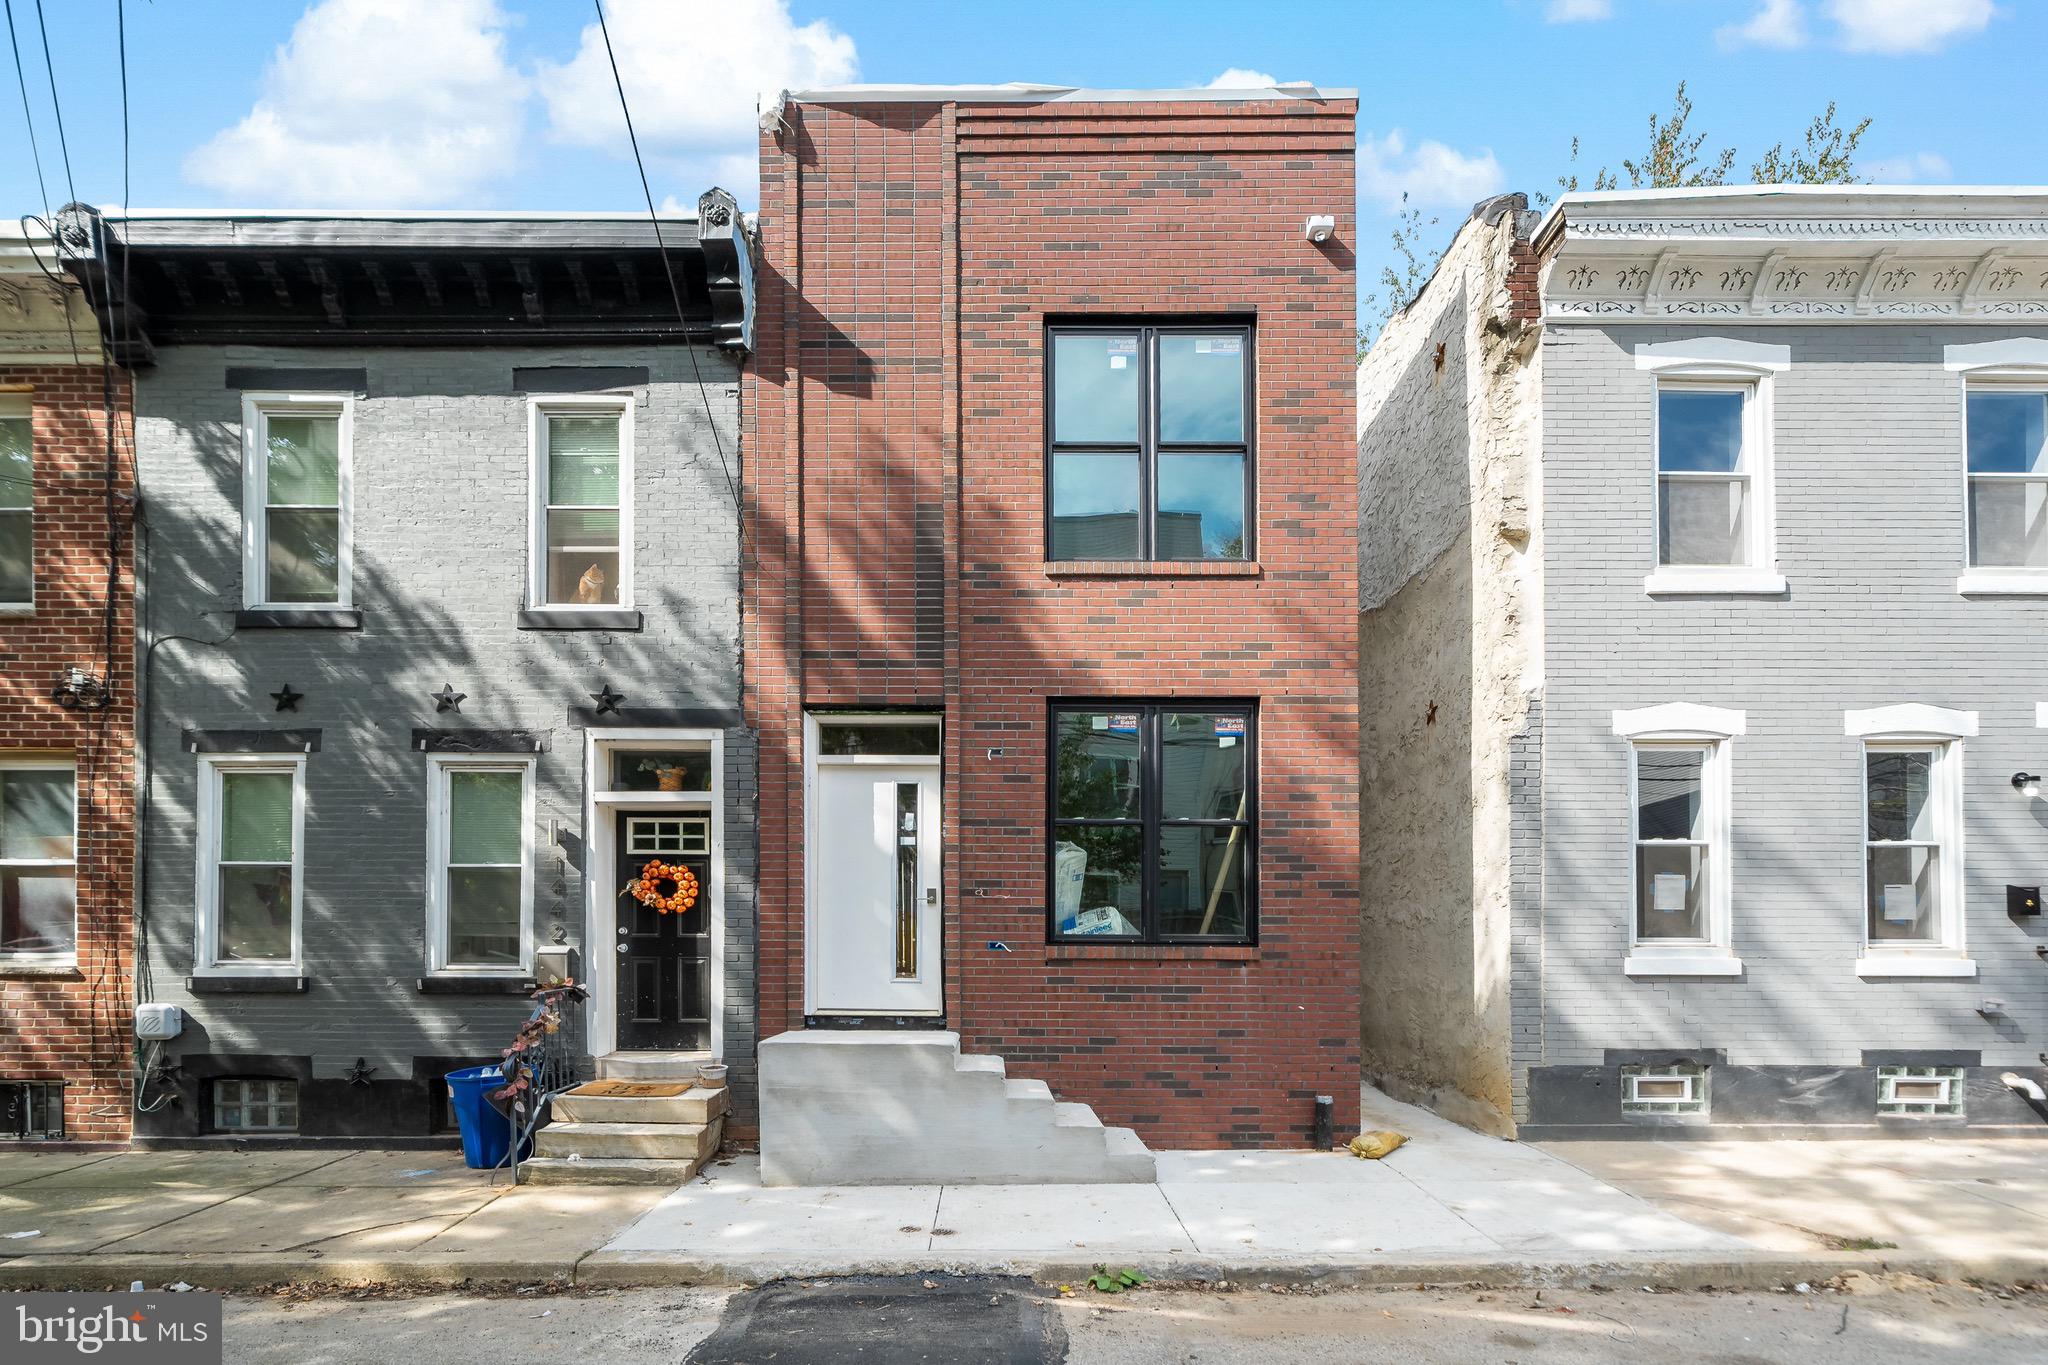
(1376, 1144)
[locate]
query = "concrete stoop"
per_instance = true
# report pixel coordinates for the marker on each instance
(630, 1139)
(843, 1107)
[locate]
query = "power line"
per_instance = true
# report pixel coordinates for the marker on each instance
(674, 292)
(21, 79)
(70, 185)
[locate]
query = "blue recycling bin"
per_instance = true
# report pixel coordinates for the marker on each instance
(486, 1133)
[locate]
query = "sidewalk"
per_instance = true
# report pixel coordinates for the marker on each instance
(1450, 1206)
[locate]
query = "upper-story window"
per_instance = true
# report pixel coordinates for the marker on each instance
(2007, 438)
(1706, 458)
(582, 508)
(296, 504)
(1149, 443)
(17, 503)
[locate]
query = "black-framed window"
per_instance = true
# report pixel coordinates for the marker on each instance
(1154, 812)
(31, 1111)
(1149, 442)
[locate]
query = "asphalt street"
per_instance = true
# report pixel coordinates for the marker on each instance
(966, 1321)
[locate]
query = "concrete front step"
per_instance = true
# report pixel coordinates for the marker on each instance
(655, 1141)
(841, 1107)
(692, 1106)
(602, 1171)
(650, 1066)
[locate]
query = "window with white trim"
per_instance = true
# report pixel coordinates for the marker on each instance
(38, 858)
(17, 502)
(480, 864)
(251, 835)
(1707, 457)
(296, 500)
(582, 503)
(1680, 844)
(2006, 438)
(1910, 883)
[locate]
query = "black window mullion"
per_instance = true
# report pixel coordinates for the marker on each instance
(1148, 424)
(1148, 811)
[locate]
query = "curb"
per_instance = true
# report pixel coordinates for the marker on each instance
(648, 1269)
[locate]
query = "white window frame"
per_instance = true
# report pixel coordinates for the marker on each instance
(48, 763)
(1912, 727)
(538, 411)
(1713, 729)
(440, 768)
(1720, 364)
(1995, 580)
(257, 410)
(206, 936)
(21, 406)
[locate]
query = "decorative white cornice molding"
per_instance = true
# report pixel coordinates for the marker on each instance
(1680, 720)
(1910, 720)
(1791, 268)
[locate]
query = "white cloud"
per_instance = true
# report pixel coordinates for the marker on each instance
(693, 73)
(1900, 170)
(1242, 78)
(384, 103)
(1780, 23)
(1431, 173)
(1894, 27)
(1578, 11)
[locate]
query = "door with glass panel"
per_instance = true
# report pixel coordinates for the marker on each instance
(874, 870)
(663, 870)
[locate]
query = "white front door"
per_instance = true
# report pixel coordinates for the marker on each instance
(874, 945)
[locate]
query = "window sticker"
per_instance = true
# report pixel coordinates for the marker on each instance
(1124, 724)
(1117, 362)
(1219, 345)
(1667, 892)
(1121, 345)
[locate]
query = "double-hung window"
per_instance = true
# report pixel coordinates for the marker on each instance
(1154, 815)
(2006, 428)
(1680, 839)
(17, 503)
(1149, 443)
(1715, 523)
(251, 839)
(582, 504)
(1912, 839)
(296, 500)
(38, 860)
(480, 874)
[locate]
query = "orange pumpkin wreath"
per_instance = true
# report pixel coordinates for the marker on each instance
(668, 888)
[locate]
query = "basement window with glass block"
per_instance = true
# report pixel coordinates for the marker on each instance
(1678, 1088)
(1920, 1091)
(255, 1106)
(31, 1111)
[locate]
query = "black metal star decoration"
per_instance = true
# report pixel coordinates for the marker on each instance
(360, 1073)
(286, 699)
(448, 699)
(607, 700)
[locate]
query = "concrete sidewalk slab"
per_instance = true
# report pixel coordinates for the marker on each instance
(727, 1212)
(20, 1167)
(545, 1222)
(1577, 1216)
(1320, 1219)
(286, 1218)
(183, 1170)
(84, 1220)
(1066, 1219)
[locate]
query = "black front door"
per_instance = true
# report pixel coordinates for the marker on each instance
(664, 956)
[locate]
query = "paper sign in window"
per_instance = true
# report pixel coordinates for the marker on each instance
(1901, 905)
(1667, 892)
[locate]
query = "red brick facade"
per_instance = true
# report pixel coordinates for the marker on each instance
(75, 1025)
(894, 555)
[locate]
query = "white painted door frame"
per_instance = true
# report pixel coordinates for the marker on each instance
(600, 898)
(812, 761)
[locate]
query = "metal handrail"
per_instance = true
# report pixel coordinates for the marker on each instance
(539, 1056)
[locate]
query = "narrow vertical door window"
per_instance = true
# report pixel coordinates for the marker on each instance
(17, 504)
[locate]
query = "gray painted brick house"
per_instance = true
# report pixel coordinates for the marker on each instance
(440, 613)
(1702, 643)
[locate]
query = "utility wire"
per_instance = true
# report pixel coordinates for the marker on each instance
(21, 79)
(675, 293)
(70, 185)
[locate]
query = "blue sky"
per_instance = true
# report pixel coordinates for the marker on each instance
(506, 103)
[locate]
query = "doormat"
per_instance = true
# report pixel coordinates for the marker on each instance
(633, 1090)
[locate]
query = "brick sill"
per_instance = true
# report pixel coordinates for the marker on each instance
(1149, 568)
(1152, 952)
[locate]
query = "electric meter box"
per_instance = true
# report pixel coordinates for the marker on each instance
(156, 1023)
